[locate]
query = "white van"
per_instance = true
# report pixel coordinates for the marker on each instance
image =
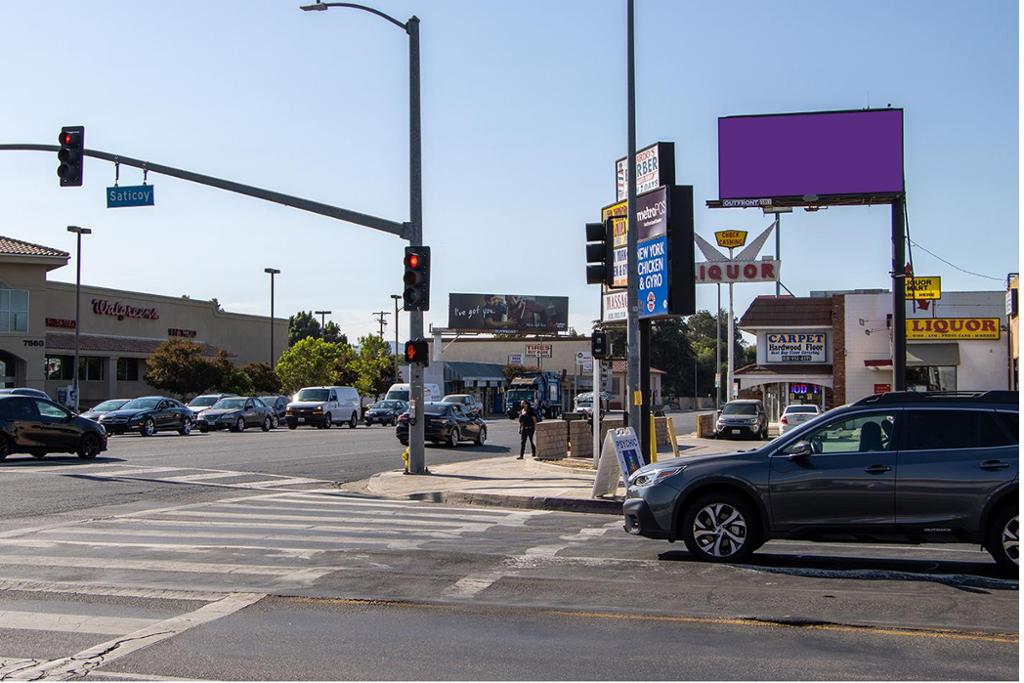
(400, 392)
(324, 407)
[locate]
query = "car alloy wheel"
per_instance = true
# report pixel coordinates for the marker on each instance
(266, 424)
(186, 427)
(328, 421)
(720, 527)
(240, 425)
(1011, 544)
(148, 427)
(454, 437)
(352, 421)
(482, 436)
(89, 447)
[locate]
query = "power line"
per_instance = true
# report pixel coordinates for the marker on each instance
(953, 265)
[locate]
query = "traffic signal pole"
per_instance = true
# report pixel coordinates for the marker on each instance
(633, 340)
(417, 457)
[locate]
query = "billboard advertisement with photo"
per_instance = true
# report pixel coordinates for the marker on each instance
(508, 313)
(823, 154)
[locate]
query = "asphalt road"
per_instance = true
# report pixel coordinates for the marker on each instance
(234, 556)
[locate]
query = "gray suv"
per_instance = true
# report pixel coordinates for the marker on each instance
(903, 467)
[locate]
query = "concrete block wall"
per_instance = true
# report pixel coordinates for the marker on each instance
(552, 439)
(610, 423)
(581, 438)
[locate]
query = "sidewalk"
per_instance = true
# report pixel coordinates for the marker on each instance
(507, 482)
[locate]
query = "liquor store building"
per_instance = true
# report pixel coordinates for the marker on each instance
(833, 348)
(118, 331)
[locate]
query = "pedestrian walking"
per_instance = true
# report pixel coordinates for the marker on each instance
(527, 426)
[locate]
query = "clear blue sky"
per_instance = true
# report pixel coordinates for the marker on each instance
(523, 117)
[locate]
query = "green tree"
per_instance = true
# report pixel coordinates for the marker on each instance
(308, 362)
(332, 333)
(179, 367)
(374, 365)
(303, 325)
(264, 379)
(345, 371)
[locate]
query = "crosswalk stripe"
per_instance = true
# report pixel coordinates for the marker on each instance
(206, 475)
(307, 498)
(201, 533)
(359, 512)
(71, 623)
(203, 549)
(211, 514)
(172, 566)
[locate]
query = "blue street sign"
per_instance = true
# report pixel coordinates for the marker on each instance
(129, 195)
(652, 268)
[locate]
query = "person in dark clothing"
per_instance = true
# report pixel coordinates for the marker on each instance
(527, 425)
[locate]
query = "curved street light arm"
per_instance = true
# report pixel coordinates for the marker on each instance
(321, 6)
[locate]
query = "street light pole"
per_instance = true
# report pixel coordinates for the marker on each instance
(78, 299)
(272, 272)
(397, 298)
(417, 464)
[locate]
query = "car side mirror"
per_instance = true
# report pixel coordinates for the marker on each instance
(799, 451)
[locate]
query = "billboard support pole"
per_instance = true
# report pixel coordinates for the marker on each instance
(718, 350)
(596, 409)
(730, 345)
(632, 306)
(645, 387)
(899, 305)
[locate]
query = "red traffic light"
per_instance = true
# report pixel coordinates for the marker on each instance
(417, 352)
(412, 260)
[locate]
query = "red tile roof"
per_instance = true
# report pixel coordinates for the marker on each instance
(13, 247)
(60, 341)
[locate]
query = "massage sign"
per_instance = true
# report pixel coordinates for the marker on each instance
(122, 311)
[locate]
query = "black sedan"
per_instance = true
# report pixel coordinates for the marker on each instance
(236, 413)
(97, 411)
(278, 404)
(446, 423)
(385, 412)
(149, 415)
(39, 426)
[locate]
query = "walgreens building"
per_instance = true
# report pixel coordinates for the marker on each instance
(118, 329)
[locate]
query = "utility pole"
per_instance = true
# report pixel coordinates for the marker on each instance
(78, 297)
(323, 320)
(632, 308)
(379, 316)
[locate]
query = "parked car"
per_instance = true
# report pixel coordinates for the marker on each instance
(470, 406)
(584, 403)
(385, 412)
(96, 411)
(278, 404)
(24, 391)
(204, 402)
(912, 467)
(39, 426)
(742, 417)
(400, 392)
(445, 423)
(796, 414)
(324, 407)
(149, 415)
(235, 413)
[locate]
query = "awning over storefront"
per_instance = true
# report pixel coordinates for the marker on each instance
(921, 355)
(97, 343)
(816, 373)
(474, 374)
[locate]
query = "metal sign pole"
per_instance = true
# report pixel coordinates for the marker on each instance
(632, 307)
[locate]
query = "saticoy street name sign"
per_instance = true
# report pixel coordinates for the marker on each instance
(129, 195)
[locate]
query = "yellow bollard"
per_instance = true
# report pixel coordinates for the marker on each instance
(405, 459)
(654, 441)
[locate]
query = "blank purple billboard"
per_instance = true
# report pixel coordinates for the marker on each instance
(817, 153)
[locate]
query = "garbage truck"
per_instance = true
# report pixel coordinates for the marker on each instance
(542, 390)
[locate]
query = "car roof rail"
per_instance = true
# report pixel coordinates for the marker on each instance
(894, 397)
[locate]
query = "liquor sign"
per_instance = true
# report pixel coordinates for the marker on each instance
(953, 328)
(724, 272)
(515, 359)
(883, 388)
(538, 350)
(130, 195)
(802, 347)
(923, 288)
(655, 167)
(731, 239)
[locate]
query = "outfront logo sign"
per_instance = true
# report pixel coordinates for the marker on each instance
(953, 328)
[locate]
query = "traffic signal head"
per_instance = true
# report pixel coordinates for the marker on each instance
(599, 345)
(417, 352)
(599, 254)
(70, 155)
(417, 279)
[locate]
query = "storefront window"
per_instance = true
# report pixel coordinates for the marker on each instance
(13, 310)
(931, 378)
(90, 369)
(60, 367)
(127, 369)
